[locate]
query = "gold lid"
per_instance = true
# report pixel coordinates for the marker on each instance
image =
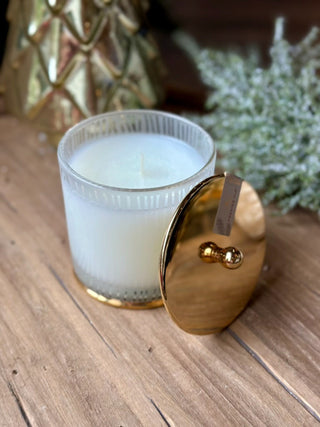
(212, 254)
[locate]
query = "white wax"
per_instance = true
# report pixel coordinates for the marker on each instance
(139, 160)
(116, 251)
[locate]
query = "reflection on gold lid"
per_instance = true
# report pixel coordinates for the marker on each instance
(204, 297)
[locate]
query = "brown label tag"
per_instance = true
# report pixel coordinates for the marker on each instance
(227, 205)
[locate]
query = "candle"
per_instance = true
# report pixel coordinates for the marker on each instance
(139, 160)
(122, 184)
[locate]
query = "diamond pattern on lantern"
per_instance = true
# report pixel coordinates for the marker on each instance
(128, 15)
(123, 98)
(56, 5)
(58, 112)
(104, 81)
(84, 19)
(113, 48)
(36, 18)
(69, 59)
(58, 62)
(147, 45)
(38, 88)
(81, 88)
(139, 84)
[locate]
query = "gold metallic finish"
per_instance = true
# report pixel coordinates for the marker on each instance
(229, 257)
(114, 302)
(204, 297)
(69, 60)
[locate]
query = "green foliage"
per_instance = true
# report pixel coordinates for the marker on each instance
(266, 122)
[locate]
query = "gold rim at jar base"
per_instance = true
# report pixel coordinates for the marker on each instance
(114, 302)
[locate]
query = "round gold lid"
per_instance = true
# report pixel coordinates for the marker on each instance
(212, 254)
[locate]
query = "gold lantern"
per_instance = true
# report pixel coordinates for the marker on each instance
(66, 60)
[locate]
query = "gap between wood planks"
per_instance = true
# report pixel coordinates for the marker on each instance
(19, 404)
(160, 413)
(265, 366)
(252, 353)
(65, 288)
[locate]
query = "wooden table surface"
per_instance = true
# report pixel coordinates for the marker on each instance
(68, 360)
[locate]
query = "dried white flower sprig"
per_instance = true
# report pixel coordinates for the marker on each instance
(266, 122)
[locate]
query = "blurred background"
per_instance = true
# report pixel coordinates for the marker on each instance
(3, 26)
(221, 24)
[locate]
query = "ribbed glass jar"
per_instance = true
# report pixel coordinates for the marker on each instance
(115, 234)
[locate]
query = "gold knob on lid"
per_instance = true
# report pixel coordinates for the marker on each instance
(229, 257)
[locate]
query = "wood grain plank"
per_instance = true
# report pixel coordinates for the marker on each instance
(55, 366)
(63, 378)
(281, 325)
(78, 362)
(11, 409)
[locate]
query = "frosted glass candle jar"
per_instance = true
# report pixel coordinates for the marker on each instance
(123, 175)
